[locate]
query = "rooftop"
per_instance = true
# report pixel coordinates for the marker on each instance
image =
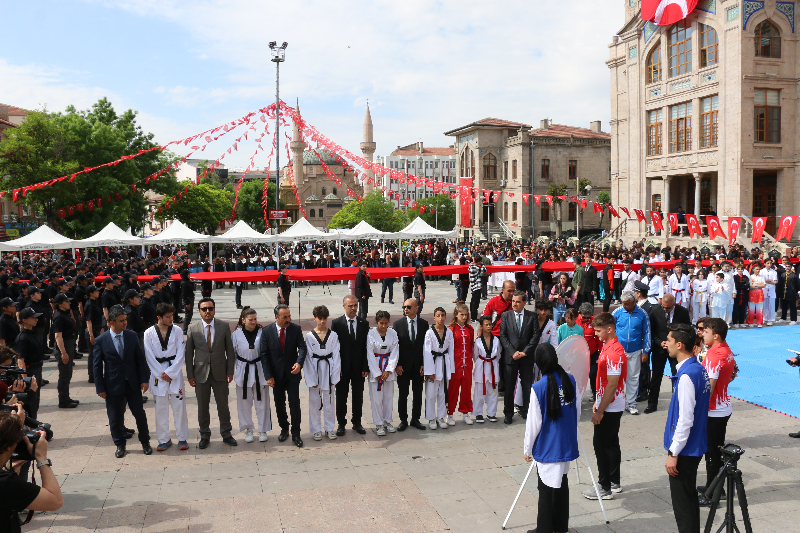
(413, 151)
(15, 111)
(489, 122)
(559, 130)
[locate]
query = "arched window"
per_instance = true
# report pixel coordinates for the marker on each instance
(654, 65)
(312, 213)
(514, 212)
(320, 214)
(768, 40)
(709, 50)
(505, 212)
(489, 167)
(467, 164)
(680, 48)
(334, 191)
(323, 192)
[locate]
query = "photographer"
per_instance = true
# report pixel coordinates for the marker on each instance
(16, 494)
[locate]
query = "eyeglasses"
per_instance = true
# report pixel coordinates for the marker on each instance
(207, 309)
(407, 307)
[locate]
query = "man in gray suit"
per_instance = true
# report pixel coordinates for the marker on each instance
(519, 336)
(209, 367)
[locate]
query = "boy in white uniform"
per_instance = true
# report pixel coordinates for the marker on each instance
(248, 374)
(437, 353)
(678, 286)
(486, 356)
(165, 351)
(770, 276)
(323, 370)
(383, 352)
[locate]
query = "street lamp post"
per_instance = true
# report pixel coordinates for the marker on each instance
(580, 211)
(278, 56)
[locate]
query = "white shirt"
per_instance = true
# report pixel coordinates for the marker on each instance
(519, 318)
(205, 330)
(769, 273)
(415, 320)
(629, 279)
(685, 414)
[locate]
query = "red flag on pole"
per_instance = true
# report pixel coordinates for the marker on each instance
(612, 210)
(549, 200)
(758, 228)
(62, 213)
(584, 203)
(694, 226)
(598, 208)
(786, 229)
(536, 197)
(525, 198)
(640, 215)
(666, 12)
(625, 210)
(658, 224)
(733, 228)
(714, 228)
(673, 222)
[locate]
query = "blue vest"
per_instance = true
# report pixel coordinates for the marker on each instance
(697, 444)
(557, 441)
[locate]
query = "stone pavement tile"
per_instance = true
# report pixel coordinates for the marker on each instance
(341, 477)
(234, 469)
(283, 465)
(138, 478)
(40, 523)
(469, 461)
(475, 523)
(79, 501)
(441, 484)
(84, 482)
(642, 502)
(232, 525)
(122, 516)
(426, 467)
(186, 492)
(261, 507)
(164, 512)
(302, 515)
(432, 521)
(452, 447)
(488, 478)
(187, 473)
(327, 461)
(177, 525)
(375, 456)
(279, 483)
(243, 486)
(87, 519)
(506, 459)
(213, 507)
(136, 496)
(499, 499)
(383, 472)
(459, 503)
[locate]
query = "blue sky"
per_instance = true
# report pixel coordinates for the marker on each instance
(425, 66)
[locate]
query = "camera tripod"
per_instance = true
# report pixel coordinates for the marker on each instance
(733, 476)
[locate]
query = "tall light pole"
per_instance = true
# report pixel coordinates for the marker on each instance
(278, 56)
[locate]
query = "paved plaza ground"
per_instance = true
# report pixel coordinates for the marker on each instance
(461, 479)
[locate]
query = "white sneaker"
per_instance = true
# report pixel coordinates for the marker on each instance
(248, 435)
(262, 437)
(770, 323)
(331, 435)
(318, 435)
(442, 423)
(433, 425)
(792, 322)
(390, 428)
(761, 325)
(450, 421)
(467, 419)
(380, 431)
(616, 489)
(633, 410)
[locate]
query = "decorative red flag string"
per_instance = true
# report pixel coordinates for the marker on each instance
(246, 171)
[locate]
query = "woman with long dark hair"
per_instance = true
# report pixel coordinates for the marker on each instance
(551, 438)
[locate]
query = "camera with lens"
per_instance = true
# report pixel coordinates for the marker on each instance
(11, 375)
(32, 427)
(731, 452)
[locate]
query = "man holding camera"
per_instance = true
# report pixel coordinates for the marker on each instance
(16, 494)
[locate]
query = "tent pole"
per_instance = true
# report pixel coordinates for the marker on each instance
(341, 260)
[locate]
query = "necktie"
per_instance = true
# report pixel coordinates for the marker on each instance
(352, 332)
(283, 338)
(120, 346)
(413, 333)
(519, 322)
(208, 336)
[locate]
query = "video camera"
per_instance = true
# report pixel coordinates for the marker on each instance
(11, 375)
(31, 428)
(731, 453)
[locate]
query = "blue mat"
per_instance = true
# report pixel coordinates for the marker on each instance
(764, 377)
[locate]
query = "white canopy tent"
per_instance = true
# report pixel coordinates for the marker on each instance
(42, 238)
(302, 230)
(419, 229)
(241, 233)
(177, 233)
(363, 230)
(111, 235)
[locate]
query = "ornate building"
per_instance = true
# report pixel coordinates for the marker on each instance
(513, 159)
(321, 197)
(704, 111)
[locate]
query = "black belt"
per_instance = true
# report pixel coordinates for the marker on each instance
(247, 377)
(165, 359)
(444, 370)
(320, 358)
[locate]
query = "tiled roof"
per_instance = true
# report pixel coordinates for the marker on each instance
(558, 130)
(331, 197)
(18, 111)
(425, 151)
(7, 123)
(312, 198)
(497, 122)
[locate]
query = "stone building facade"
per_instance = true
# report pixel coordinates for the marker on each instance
(512, 158)
(704, 112)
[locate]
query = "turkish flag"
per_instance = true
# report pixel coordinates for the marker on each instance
(71, 210)
(786, 229)
(99, 202)
(625, 210)
(612, 210)
(758, 228)
(584, 203)
(421, 209)
(79, 206)
(714, 228)
(694, 226)
(118, 196)
(673, 222)
(537, 198)
(549, 200)
(666, 12)
(598, 208)
(525, 198)
(640, 215)
(495, 196)
(90, 204)
(658, 224)
(733, 228)
(562, 198)
(62, 213)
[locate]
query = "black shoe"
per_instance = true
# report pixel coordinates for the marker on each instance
(507, 419)
(340, 431)
(297, 441)
(479, 419)
(91, 380)
(650, 409)
(402, 426)
(203, 444)
(642, 398)
(144, 398)
(67, 405)
(491, 418)
(77, 356)
(238, 307)
(283, 436)
(418, 425)
(128, 434)
(148, 450)
(76, 402)
(45, 382)
(795, 435)
(230, 441)
(704, 502)
(120, 453)
(360, 430)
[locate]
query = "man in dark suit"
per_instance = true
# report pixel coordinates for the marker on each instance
(660, 317)
(519, 336)
(587, 288)
(362, 290)
(411, 331)
(210, 361)
(241, 266)
(352, 331)
(123, 380)
(283, 352)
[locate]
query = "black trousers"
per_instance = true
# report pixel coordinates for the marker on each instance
(342, 391)
(34, 397)
(279, 395)
(659, 360)
(387, 285)
(474, 304)
(115, 407)
(644, 379)
(607, 302)
(239, 294)
(593, 358)
(484, 287)
(791, 306)
(189, 313)
(65, 371)
(524, 368)
(408, 289)
(363, 308)
(553, 515)
(717, 428)
(607, 450)
(585, 297)
(739, 312)
(464, 288)
(683, 489)
(410, 378)
(286, 297)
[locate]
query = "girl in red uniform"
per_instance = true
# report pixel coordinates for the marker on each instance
(461, 380)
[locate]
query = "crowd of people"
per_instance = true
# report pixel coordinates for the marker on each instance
(465, 361)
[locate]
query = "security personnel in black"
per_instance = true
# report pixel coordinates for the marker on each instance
(93, 315)
(206, 284)
(241, 266)
(78, 303)
(187, 296)
(131, 303)
(109, 298)
(64, 329)
(147, 309)
(50, 292)
(39, 305)
(29, 349)
(9, 329)
(284, 286)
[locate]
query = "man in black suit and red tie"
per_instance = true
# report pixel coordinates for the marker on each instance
(352, 331)
(283, 353)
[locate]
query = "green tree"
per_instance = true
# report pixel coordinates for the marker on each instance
(603, 197)
(444, 211)
(249, 207)
(555, 191)
(376, 209)
(202, 208)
